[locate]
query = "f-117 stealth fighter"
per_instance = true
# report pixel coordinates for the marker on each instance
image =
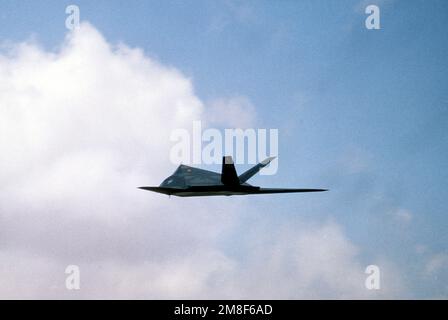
(193, 182)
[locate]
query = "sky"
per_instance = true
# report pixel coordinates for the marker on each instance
(86, 116)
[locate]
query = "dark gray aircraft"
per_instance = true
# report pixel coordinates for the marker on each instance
(193, 182)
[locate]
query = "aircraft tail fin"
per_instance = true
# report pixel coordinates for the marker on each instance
(254, 170)
(228, 174)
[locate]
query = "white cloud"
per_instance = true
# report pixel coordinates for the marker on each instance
(303, 261)
(80, 129)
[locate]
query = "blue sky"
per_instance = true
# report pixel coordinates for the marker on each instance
(362, 112)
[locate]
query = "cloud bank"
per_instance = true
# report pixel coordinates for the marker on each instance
(80, 129)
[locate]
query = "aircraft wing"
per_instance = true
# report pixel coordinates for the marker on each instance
(167, 191)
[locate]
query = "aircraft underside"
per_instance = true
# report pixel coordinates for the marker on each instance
(198, 191)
